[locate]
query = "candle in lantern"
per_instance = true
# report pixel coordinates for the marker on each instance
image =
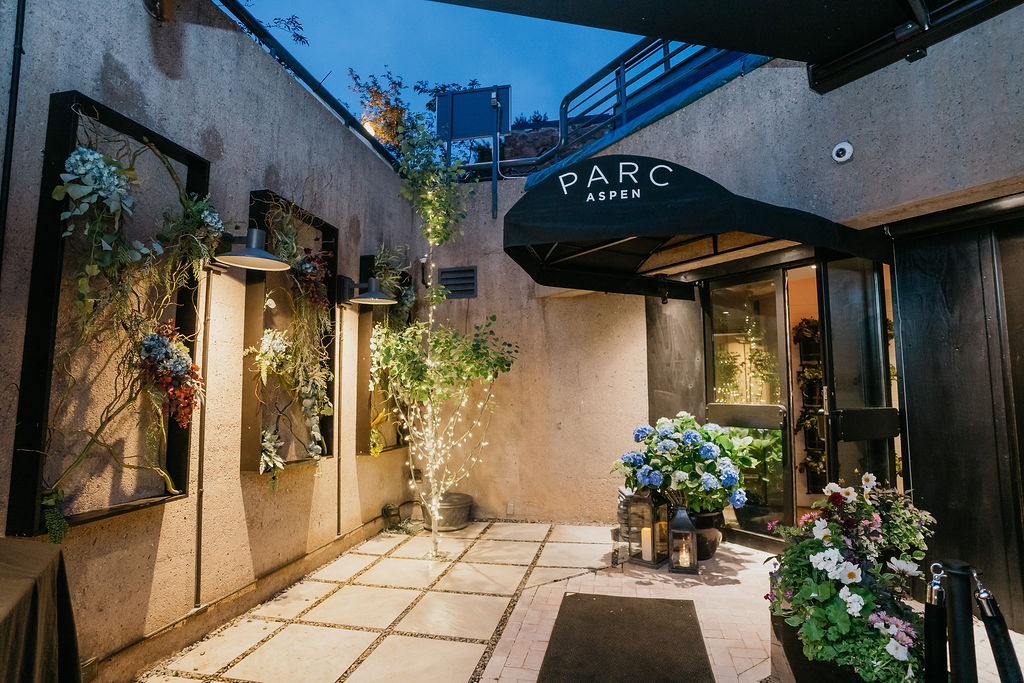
(646, 547)
(684, 556)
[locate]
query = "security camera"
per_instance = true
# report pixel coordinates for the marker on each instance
(842, 152)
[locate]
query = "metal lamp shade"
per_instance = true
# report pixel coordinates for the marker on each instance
(682, 544)
(648, 529)
(254, 256)
(372, 296)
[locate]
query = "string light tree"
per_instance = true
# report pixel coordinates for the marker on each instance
(438, 381)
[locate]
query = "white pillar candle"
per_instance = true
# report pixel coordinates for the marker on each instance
(646, 547)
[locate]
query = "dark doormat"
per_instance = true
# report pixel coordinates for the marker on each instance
(612, 638)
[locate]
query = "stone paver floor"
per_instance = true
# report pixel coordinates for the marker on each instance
(384, 612)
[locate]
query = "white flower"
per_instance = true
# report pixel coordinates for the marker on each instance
(854, 602)
(821, 531)
(901, 567)
(896, 650)
(831, 488)
(849, 495)
(683, 414)
(826, 560)
(868, 481)
(847, 572)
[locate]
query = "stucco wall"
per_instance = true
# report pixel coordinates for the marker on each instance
(204, 85)
(571, 401)
(943, 131)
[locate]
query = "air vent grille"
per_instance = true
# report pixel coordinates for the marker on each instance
(460, 282)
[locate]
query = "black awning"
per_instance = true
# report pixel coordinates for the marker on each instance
(841, 40)
(621, 223)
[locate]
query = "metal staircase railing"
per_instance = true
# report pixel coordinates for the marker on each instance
(650, 72)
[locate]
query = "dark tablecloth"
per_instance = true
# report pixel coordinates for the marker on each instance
(37, 627)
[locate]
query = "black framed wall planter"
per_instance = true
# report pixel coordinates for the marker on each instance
(101, 489)
(290, 340)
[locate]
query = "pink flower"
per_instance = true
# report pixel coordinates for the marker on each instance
(809, 517)
(772, 525)
(789, 594)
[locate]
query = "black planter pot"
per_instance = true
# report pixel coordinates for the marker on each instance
(810, 350)
(816, 481)
(709, 534)
(804, 670)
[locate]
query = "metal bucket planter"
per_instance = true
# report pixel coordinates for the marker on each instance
(453, 513)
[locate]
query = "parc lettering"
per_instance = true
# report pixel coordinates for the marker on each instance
(622, 183)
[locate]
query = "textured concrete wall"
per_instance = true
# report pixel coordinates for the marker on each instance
(203, 84)
(942, 131)
(571, 401)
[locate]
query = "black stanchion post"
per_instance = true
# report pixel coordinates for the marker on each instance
(998, 635)
(963, 666)
(935, 669)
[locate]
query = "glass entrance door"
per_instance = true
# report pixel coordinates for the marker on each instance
(799, 356)
(747, 385)
(859, 420)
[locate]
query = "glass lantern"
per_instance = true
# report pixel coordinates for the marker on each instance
(648, 529)
(682, 544)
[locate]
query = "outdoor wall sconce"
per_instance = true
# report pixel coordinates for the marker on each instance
(648, 529)
(254, 256)
(372, 296)
(682, 544)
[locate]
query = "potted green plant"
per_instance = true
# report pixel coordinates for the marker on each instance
(841, 587)
(699, 467)
(809, 378)
(807, 335)
(438, 381)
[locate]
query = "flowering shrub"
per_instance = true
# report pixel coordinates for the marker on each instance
(699, 466)
(844, 575)
(174, 379)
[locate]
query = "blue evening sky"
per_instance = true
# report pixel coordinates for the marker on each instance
(420, 39)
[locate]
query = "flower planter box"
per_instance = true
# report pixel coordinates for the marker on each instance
(789, 665)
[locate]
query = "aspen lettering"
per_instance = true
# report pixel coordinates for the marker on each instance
(613, 182)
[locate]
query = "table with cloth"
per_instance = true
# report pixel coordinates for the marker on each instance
(37, 627)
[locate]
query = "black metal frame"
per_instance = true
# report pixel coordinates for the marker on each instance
(24, 507)
(255, 295)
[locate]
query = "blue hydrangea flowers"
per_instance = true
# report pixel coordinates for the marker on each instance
(709, 451)
(634, 458)
(709, 481)
(696, 465)
(648, 476)
(642, 432)
(691, 437)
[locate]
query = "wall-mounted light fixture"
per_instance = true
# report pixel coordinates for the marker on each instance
(254, 256)
(372, 296)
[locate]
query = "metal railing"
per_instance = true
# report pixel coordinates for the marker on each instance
(638, 80)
